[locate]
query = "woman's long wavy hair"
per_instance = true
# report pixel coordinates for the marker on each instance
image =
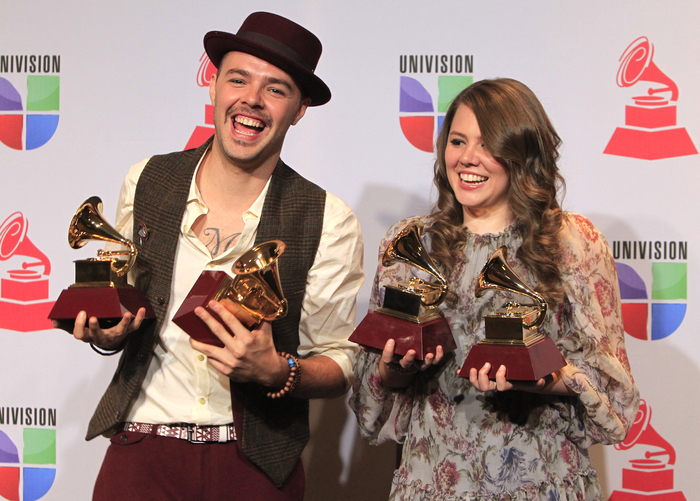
(516, 131)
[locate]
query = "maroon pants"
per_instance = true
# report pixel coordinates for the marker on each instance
(145, 467)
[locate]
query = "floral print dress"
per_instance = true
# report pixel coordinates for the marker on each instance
(463, 444)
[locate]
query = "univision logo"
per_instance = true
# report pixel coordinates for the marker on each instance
(421, 116)
(654, 293)
(29, 123)
(27, 475)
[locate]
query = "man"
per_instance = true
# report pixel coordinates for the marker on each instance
(244, 405)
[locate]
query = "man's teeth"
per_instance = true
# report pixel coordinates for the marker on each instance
(472, 178)
(255, 125)
(250, 122)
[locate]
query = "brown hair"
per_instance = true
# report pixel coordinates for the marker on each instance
(516, 131)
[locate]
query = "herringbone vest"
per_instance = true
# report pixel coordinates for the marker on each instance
(272, 433)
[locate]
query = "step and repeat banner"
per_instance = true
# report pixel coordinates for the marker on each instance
(87, 89)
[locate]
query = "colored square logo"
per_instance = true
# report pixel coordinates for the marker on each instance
(43, 92)
(39, 446)
(449, 86)
(670, 281)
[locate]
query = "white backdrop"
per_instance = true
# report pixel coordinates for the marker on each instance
(127, 89)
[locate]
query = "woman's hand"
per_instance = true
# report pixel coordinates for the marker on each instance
(551, 383)
(480, 380)
(398, 372)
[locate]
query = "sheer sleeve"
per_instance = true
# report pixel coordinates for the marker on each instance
(593, 338)
(382, 414)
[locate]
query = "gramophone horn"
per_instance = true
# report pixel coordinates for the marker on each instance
(407, 247)
(14, 241)
(643, 433)
(638, 65)
(89, 224)
(257, 287)
(498, 275)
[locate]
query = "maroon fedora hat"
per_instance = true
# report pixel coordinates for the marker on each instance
(279, 41)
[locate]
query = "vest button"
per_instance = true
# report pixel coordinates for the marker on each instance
(161, 301)
(123, 438)
(141, 357)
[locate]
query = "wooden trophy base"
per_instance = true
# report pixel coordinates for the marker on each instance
(204, 290)
(523, 363)
(376, 328)
(108, 304)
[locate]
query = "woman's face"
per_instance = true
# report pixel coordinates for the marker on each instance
(479, 182)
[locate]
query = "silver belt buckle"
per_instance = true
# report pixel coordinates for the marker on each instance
(190, 435)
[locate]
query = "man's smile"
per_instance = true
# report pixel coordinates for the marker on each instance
(248, 126)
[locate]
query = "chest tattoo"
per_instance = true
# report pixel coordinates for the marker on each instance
(217, 244)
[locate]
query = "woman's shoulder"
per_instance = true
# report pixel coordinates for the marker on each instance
(400, 225)
(579, 227)
(580, 237)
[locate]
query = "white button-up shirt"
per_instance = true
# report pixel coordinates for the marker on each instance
(181, 387)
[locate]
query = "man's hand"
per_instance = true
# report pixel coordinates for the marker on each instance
(248, 355)
(108, 339)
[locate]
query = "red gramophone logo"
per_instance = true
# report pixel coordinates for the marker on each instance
(647, 478)
(651, 130)
(24, 290)
(202, 133)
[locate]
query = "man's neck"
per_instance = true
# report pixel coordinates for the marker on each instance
(228, 192)
(226, 184)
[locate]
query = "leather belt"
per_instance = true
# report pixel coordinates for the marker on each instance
(190, 432)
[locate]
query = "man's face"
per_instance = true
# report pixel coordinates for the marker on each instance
(254, 102)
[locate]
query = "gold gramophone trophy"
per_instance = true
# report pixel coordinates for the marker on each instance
(100, 287)
(511, 332)
(408, 314)
(255, 288)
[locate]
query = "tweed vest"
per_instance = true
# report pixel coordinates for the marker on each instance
(272, 433)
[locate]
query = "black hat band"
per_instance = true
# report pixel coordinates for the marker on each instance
(276, 46)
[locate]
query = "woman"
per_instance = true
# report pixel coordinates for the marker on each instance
(497, 179)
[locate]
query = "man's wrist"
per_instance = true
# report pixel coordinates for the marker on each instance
(108, 351)
(293, 378)
(280, 374)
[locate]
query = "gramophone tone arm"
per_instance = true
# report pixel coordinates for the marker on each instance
(104, 255)
(438, 301)
(542, 312)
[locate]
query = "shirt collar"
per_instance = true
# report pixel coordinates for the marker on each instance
(195, 196)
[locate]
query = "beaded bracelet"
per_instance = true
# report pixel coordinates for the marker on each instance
(294, 376)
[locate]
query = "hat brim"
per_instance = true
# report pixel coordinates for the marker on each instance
(217, 44)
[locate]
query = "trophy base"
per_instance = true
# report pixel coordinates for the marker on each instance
(646, 496)
(376, 328)
(204, 290)
(650, 144)
(523, 363)
(108, 304)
